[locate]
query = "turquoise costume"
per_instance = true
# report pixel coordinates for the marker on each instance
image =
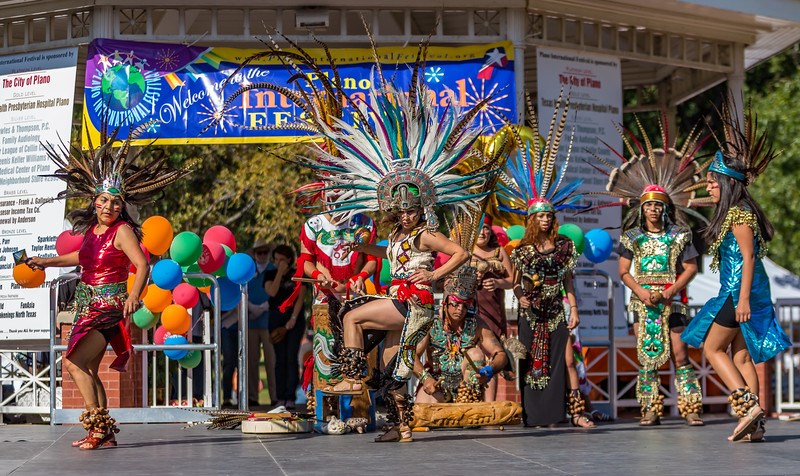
(762, 333)
(446, 347)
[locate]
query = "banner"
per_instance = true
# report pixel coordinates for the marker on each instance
(183, 87)
(36, 104)
(595, 86)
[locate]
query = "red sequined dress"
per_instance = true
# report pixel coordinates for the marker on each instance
(101, 293)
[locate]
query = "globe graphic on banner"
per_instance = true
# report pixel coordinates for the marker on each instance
(123, 87)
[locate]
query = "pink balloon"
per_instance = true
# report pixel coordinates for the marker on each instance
(186, 295)
(212, 257)
(220, 234)
(502, 236)
(146, 257)
(66, 242)
(160, 335)
(440, 260)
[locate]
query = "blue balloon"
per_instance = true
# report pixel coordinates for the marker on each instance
(383, 243)
(175, 354)
(598, 245)
(241, 268)
(167, 274)
(229, 294)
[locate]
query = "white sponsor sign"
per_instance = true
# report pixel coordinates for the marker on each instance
(594, 83)
(36, 106)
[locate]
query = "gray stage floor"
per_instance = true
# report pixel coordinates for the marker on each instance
(614, 448)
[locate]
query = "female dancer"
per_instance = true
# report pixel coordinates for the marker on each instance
(110, 245)
(495, 276)
(741, 316)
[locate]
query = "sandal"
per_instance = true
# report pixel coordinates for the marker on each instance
(347, 386)
(97, 440)
(757, 436)
(693, 419)
(77, 443)
(397, 433)
(745, 404)
(650, 418)
(582, 421)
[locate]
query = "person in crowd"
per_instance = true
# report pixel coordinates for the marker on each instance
(229, 334)
(258, 326)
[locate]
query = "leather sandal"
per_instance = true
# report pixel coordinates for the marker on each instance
(748, 424)
(693, 419)
(96, 440)
(397, 433)
(77, 443)
(757, 436)
(582, 421)
(347, 386)
(650, 418)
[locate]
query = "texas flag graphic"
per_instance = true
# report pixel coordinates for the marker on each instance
(494, 57)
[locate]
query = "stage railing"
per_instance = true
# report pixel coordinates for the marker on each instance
(787, 377)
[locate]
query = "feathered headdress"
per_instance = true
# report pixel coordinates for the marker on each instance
(667, 174)
(746, 143)
(531, 182)
(112, 170)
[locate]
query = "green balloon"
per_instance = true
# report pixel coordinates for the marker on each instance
(144, 318)
(186, 248)
(386, 275)
(515, 232)
(574, 233)
(196, 282)
(191, 359)
(221, 272)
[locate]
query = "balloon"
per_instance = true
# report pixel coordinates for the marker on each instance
(167, 274)
(196, 282)
(502, 236)
(440, 259)
(176, 319)
(186, 248)
(241, 268)
(386, 272)
(66, 242)
(157, 299)
(598, 245)
(146, 257)
(160, 335)
(186, 295)
(212, 257)
(383, 243)
(191, 359)
(369, 287)
(131, 280)
(204, 289)
(144, 319)
(574, 233)
(175, 354)
(515, 232)
(511, 246)
(220, 234)
(157, 235)
(229, 293)
(27, 277)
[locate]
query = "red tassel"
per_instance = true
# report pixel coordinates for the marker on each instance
(298, 273)
(308, 372)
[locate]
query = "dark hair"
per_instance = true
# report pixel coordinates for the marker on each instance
(284, 250)
(732, 193)
(493, 242)
(83, 219)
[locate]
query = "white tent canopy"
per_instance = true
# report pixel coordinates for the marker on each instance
(705, 285)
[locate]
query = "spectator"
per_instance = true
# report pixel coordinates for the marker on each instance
(258, 325)
(230, 353)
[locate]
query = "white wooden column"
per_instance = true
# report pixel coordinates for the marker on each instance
(516, 25)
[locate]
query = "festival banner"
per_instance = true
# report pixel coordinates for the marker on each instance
(36, 104)
(182, 88)
(594, 84)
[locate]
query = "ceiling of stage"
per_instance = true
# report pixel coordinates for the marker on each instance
(679, 47)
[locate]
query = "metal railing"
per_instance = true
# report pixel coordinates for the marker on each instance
(787, 378)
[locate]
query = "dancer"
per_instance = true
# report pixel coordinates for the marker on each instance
(495, 275)
(657, 260)
(741, 316)
(455, 347)
(543, 264)
(111, 243)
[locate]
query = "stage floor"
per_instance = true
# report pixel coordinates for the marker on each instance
(614, 448)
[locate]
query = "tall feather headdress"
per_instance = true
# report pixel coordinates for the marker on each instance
(532, 182)
(667, 174)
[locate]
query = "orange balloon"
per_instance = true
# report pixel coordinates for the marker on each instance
(205, 289)
(511, 245)
(157, 235)
(27, 277)
(157, 299)
(176, 319)
(370, 287)
(131, 279)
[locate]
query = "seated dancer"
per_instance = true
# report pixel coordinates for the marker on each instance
(656, 261)
(543, 264)
(402, 159)
(741, 317)
(455, 371)
(111, 240)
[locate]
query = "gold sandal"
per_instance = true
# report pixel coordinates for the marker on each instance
(346, 387)
(650, 418)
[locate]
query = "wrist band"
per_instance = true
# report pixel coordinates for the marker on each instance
(315, 274)
(363, 275)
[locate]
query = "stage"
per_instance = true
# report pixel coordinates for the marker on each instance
(613, 448)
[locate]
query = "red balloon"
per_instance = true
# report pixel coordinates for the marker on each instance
(220, 234)
(146, 257)
(186, 295)
(440, 260)
(502, 236)
(212, 257)
(160, 335)
(66, 242)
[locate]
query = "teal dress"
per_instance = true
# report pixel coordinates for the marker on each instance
(762, 333)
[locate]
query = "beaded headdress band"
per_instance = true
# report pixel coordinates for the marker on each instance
(718, 166)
